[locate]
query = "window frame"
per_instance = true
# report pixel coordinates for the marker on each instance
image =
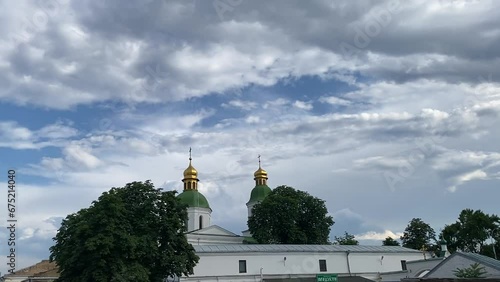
(403, 265)
(242, 266)
(322, 262)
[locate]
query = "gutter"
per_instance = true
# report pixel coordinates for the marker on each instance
(348, 264)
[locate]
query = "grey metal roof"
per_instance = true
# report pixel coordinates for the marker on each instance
(484, 260)
(236, 248)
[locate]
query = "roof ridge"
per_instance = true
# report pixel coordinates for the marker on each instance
(482, 259)
(301, 248)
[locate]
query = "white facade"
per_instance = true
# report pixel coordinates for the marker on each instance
(415, 269)
(213, 235)
(199, 218)
(250, 207)
(221, 263)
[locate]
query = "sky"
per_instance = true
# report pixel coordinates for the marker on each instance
(387, 110)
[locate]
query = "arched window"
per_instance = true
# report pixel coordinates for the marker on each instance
(201, 222)
(189, 185)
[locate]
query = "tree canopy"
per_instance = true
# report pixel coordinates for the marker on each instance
(418, 234)
(347, 239)
(389, 241)
(134, 233)
(471, 232)
(289, 216)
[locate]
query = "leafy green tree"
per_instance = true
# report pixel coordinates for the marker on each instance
(134, 233)
(473, 271)
(418, 235)
(450, 234)
(347, 239)
(289, 216)
(471, 231)
(491, 250)
(390, 242)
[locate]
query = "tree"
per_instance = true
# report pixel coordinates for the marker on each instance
(134, 233)
(390, 242)
(289, 216)
(491, 250)
(471, 232)
(473, 271)
(347, 239)
(418, 235)
(450, 234)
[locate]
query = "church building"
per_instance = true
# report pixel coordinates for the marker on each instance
(226, 256)
(229, 257)
(200, 229)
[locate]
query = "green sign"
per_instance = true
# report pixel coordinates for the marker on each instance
(326, 277)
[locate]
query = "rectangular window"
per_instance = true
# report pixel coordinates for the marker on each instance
(403, 265)
(322, 265)
(243, 266)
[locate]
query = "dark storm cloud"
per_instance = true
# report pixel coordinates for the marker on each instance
(169, 50)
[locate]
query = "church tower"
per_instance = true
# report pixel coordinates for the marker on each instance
(260, 191)
(199, 211)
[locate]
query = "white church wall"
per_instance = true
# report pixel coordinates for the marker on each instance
(250, 207)
(416, 268)
(196, 239)
(220, 265)
(194, 218)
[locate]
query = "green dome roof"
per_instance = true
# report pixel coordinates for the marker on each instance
(193, 199)
(259, 193)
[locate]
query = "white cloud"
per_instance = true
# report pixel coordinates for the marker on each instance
(335, 101)
(12, 131)
(56, 131)
(252, 119)
(244, 105)
(78, 155)
(303, 105)
(275, 103)
(13, 135)
(381, 161)
(380, 236)
(461, 179)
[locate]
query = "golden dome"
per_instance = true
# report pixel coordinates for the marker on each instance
(260, 173)
(190, 172)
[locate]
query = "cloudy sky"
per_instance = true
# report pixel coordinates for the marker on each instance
(386, 110)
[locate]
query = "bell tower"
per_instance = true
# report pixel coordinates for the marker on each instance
(199, 211)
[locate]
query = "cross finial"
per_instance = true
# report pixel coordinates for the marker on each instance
(189, 153)
(259, 160)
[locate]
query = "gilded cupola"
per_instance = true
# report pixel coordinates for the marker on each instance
(190, 176)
